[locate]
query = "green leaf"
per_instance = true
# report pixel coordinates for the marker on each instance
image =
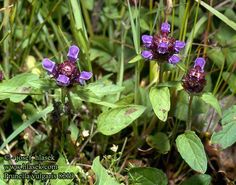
(114, 120)
(64, 169)
(148, 176)
(228, 115)
(194, 33)
(88, 4)
(221, 16)
(103, 88)
(26, 124)
(226, 137)
(198, 179)
(192, 151)
(210, 99)
(159, 141)
(2, 182)
(230, 78)
(19, 87)
(135, 59)
(160, 100)
(217, 56)
(102, 177)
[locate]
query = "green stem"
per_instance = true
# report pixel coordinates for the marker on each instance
(136, 94)
(70, 101)
(160, 73)
(63, 96)
(189, 121)
(122, 59)
(86, 142)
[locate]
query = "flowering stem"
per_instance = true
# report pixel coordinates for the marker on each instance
(160, 73)
(121, 72)
(63, 96)
(136, 94)
(70, 101)
(189, 121)
(86, 142)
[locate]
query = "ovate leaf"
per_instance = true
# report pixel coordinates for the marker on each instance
(19, 87)
(102, 177)
(210, 99)
(159, 141)
(216, 55)
(102, 88)
(64, 168)
(160, 100)
(114, 120)
(147, 176)
(199, 179)
(230, 78)
(226, 137)
(192, 151)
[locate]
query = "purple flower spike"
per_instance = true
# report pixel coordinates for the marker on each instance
(48, 65)
(147, 54)
(147, 40)
(63, 80)
(165, 27)
(200, 62)
(174, 59)
(162, 48)
(179, 45)
(73, 53)
(84, 75)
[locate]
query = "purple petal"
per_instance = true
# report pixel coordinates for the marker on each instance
(63, 80)
(162, 48)
(165, 27)
(85, 75)
(147, 54)
(200, 62)
(174, 59)
(73, 53)
(147, 40)
(48, 65)
(179, 45)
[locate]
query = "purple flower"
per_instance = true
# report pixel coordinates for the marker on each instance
(63, 80)
(194, 81)
(200, 62)
(67, 73)
(162, 47)
(179, 45)
(147, 54)
(165, 27)
(48, 65)
(84, 75)
(147, 40)
(174, 59)
(73, 53)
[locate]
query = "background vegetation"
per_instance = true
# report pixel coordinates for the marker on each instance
(126, 115)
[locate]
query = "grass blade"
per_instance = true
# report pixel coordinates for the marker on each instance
(29, 122)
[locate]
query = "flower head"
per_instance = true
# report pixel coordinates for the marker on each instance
(67, 72)
(194, 81)
(161, 47)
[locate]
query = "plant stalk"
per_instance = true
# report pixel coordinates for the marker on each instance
(189, 121)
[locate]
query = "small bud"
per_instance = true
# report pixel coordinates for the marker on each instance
(165, 27)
